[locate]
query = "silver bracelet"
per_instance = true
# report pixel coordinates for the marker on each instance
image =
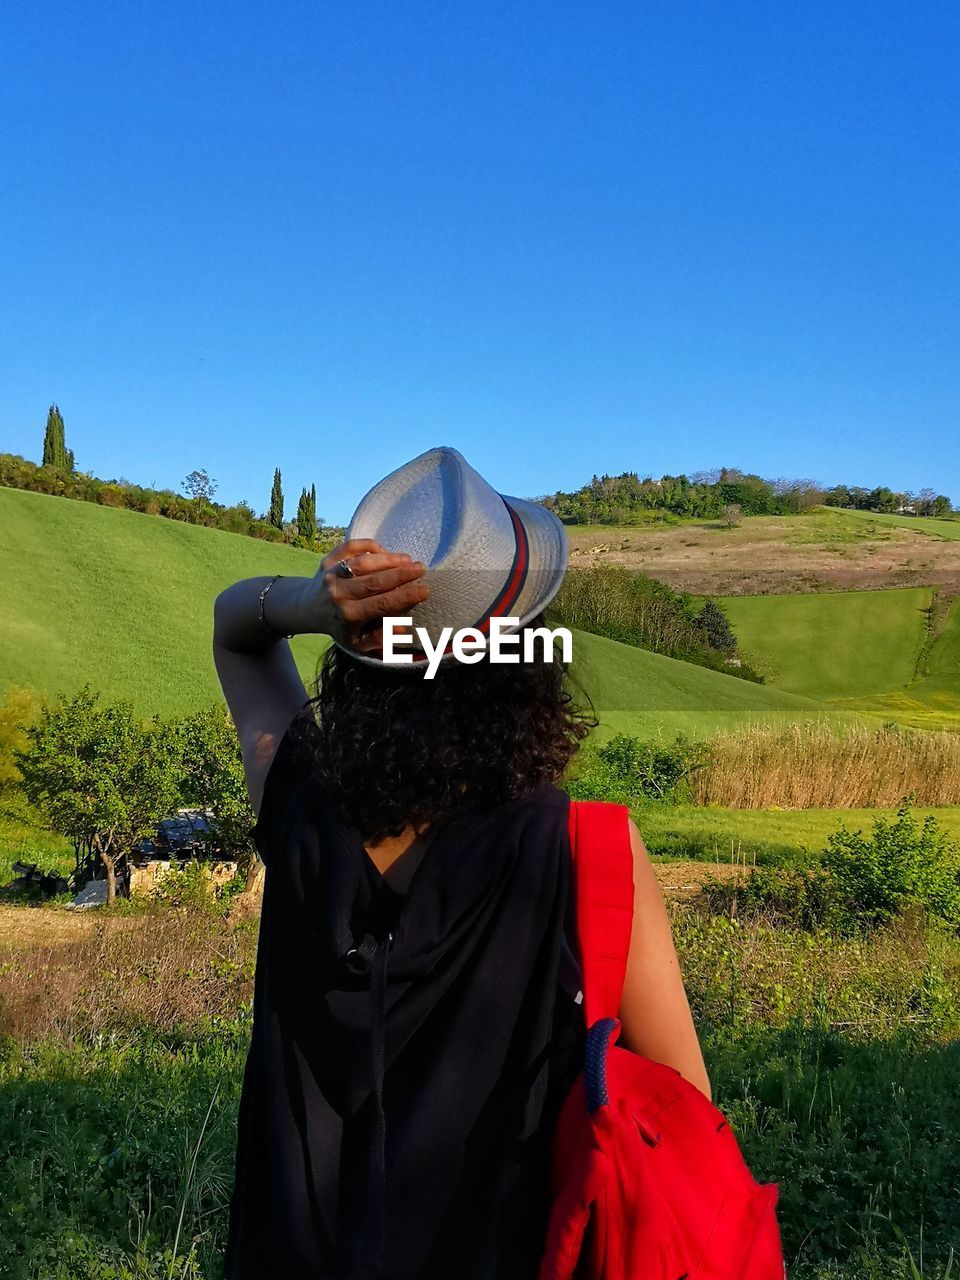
(286, 634)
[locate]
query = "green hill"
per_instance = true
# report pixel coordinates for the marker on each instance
(859, 650)
(122, 599)
(947, 527)
(634, 691)
(125, 601)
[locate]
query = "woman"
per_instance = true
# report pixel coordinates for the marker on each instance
(415, 1022)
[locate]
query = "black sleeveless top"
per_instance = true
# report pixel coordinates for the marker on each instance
(409, 1052)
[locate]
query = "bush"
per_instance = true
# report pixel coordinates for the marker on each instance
(627, 768)
(189, 884)
(902, 864)
(794, 897)
(862, 883)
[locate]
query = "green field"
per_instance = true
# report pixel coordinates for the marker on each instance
(857, 650)
(843, 644)
(122, 599)
(125, 601)
(948, 527)
(705, 833)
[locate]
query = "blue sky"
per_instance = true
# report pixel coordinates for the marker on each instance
(566, 238)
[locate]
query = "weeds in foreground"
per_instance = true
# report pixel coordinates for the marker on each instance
(836, 1059)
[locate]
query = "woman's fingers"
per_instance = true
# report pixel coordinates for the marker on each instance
(372, 584)
(381, 584)
(352, 547)
(394, 602)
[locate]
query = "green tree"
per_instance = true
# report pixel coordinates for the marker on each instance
(55, 453)
(276, 501)
(212, 777)
(715, 625)
(306, 521)
(98, 775)
(200, 487)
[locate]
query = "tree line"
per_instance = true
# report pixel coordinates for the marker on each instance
(56, 474)
(705, 495)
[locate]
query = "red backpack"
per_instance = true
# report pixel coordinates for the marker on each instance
(648, 1180)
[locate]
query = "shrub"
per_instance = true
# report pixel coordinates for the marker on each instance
(794, 897)
(627, 768)
(186, 884)
(863, 881)
(902, 863)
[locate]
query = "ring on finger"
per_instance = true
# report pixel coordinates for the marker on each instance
(344, 570)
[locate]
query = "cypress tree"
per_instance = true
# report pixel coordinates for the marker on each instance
(313, 507)
(54, 446)
(276, 501)
(306, 525)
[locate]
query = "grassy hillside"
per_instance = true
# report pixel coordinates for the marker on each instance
(939, 527)
(121, 599)
(858, 650)
(635, 691)
(836, 645)
(125, 601)
(933, 698)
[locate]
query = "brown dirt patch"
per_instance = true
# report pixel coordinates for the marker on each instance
(47, 926)
(681, 881)
(759, 558)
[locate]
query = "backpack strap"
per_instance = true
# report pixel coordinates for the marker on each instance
(602, 862)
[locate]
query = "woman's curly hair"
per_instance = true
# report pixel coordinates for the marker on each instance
(398, 750)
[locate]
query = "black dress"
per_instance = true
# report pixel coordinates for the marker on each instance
(408, 1051)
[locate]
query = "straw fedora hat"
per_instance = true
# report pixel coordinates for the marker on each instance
(486, 554)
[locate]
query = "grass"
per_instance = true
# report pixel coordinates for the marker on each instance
(635, 691)
(122, 599)
(706, 833)
(844, 644)
(820, 765)
(864, 651)
(937, 527)
(836, 1061)
(933, 697)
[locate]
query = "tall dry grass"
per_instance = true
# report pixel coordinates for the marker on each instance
(816, 765)
(170, 969)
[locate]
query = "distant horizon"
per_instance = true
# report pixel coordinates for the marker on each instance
(292, 490)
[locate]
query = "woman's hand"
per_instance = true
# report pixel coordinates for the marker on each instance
(352, 609)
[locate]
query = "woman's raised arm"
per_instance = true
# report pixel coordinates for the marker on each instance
(259, 678)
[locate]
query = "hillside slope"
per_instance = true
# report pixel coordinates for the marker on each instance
(857, 650)
(126, 601)
(839, 644)
(122, 599)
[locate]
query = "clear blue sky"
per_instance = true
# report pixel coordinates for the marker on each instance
(564, 237)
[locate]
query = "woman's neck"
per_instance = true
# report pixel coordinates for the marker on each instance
(397, 857)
